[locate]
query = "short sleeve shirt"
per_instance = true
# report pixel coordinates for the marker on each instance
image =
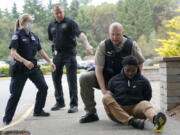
(100, 52)
(63, 33)
(26, 45)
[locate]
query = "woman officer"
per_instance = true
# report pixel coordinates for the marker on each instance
(24, 46)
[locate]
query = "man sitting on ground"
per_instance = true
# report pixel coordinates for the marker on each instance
(128, 96)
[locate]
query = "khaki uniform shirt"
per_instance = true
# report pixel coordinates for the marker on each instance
(100, 52)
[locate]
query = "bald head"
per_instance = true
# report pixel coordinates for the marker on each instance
(115, 25)
(116, 33)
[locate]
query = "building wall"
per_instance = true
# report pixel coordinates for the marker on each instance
(165, 81)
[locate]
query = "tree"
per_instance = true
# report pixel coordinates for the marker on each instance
(7, 14)
(74, 9)
(162, 11)
(35, 8)
(5, 35)
(85, 2)
(136, 17)
(171, 46)
(102, 16)
(142, 20)
(14, 11)
(1, 13)
(65, 6)
(95, 21)
(85, 24)
(49, 11)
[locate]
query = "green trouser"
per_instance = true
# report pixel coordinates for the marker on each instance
(88, 82)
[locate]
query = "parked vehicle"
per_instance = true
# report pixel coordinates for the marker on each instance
(3, 63)
(42, 62)
(81, 64)
(90, 65)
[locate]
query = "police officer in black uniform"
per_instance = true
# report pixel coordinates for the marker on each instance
(63, 32)
(24, 46)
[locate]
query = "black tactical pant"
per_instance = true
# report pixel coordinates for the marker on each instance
(71, 71)
(16, 86)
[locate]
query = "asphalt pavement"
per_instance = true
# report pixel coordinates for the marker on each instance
(62, 123)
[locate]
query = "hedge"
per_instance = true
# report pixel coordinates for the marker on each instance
(4, 70)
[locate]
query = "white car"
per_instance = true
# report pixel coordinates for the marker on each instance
(3, 64)
(42, 62)
(81, 64)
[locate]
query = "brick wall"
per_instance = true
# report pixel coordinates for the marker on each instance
(170, 82)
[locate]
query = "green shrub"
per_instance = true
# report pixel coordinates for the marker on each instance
(171, 46)
(4, 71)
(45, 69)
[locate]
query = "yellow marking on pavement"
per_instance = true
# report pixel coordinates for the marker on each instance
(5, 78)
(24, 116)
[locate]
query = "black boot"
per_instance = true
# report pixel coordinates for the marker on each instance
(41, 114)
(57, 106)
(73, 109)
(137, 123)
(6, 122)
(89, 118)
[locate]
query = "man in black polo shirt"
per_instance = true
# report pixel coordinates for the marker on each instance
(63, 32)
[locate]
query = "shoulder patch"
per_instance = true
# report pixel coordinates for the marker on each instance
(33, 38)
(64, 26)
(14, 37)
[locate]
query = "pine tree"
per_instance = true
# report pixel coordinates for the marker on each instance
(7, 14)
(35, 8)
(85, 24)
(65, 6)
(1, 13)
(14, 11)
(136, 17)
(74, 9)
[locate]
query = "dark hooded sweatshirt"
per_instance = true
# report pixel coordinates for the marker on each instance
(130, 91)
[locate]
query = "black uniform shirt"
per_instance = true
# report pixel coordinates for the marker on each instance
(63, 35)
(27, 45)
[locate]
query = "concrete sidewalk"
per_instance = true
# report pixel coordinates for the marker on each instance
(62, 123)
